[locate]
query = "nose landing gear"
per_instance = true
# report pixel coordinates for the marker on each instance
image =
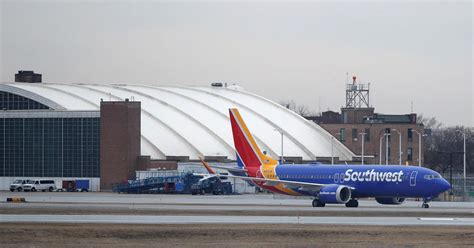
(425, 203)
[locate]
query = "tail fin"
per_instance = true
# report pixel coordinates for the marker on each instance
(247, 149)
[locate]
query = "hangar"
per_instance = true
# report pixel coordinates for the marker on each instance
(182, 123)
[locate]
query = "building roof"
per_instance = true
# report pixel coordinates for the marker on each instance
(193, 121)
(394, 118)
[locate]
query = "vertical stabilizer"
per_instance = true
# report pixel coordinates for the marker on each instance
(247, 149)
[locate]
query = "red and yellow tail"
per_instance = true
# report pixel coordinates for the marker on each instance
(247, 149)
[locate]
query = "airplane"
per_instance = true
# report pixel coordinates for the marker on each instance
(329, 184)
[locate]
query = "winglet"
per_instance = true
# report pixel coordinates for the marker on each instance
(206, 165)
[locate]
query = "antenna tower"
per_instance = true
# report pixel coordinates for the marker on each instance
(357, 94)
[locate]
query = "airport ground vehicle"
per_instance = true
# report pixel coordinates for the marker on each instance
(211, 185)
(43, 185)
(18, 184)
(78, 185)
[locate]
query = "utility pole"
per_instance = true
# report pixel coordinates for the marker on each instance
(386, 148)
(363, 140)
(399, 146)
(464, 163)
(332, 149)
(281, 155)
(419, 145)
(450, 167)
(380, 147)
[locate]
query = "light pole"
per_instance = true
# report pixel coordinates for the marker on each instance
(363, 138)
(464, 162)
(399, 146)
(332, 149)
(419, 145)
(380, 144)
(281, 156)
(386, 149)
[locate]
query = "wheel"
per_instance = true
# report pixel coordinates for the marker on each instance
(12, 190)
(33, 190)
(352, 203)
(425, 205)
(19, 189)
(202, 192)
(318, 204)
(50, 189)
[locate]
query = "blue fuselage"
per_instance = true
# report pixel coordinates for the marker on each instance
(368, 180)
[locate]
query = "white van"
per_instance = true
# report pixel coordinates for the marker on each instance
(43, 185)
(18, 184)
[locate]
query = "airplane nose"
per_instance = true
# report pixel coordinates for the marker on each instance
(444, 185)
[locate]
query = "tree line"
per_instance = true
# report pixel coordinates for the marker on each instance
(443, 146)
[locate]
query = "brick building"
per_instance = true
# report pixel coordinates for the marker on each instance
(381, 132)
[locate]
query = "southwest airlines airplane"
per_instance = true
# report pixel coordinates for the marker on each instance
(330, 184)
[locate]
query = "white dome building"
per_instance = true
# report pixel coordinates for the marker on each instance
(193, 121)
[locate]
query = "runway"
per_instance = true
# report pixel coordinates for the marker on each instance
(170, 219)
(62, 207)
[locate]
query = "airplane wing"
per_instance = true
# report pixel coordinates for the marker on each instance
(314, 187)
(272, 182)
(228, 168)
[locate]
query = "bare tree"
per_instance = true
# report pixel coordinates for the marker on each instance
(300, 109)
(446, 140)
(429, 122)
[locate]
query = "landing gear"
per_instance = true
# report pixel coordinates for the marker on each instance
(352, 203)
(318, 204)
(425, 203)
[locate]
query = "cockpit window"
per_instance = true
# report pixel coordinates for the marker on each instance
(431, 176)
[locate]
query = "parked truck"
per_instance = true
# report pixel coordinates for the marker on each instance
(78, 185)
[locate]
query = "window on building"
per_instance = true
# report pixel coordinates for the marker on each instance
(410, 154)
(342, 134)
(354, 134)
(410, 134)
(367, 134)
(10, 101)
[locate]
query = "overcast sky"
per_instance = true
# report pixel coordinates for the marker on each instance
(408, 51)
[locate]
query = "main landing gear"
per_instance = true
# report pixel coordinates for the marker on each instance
(318, 204)
(352, 203)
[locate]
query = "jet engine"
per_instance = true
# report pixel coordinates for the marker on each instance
(335, 194)
(390, 200)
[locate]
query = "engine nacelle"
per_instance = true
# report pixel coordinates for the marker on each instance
(335, 194)
(390, 200)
